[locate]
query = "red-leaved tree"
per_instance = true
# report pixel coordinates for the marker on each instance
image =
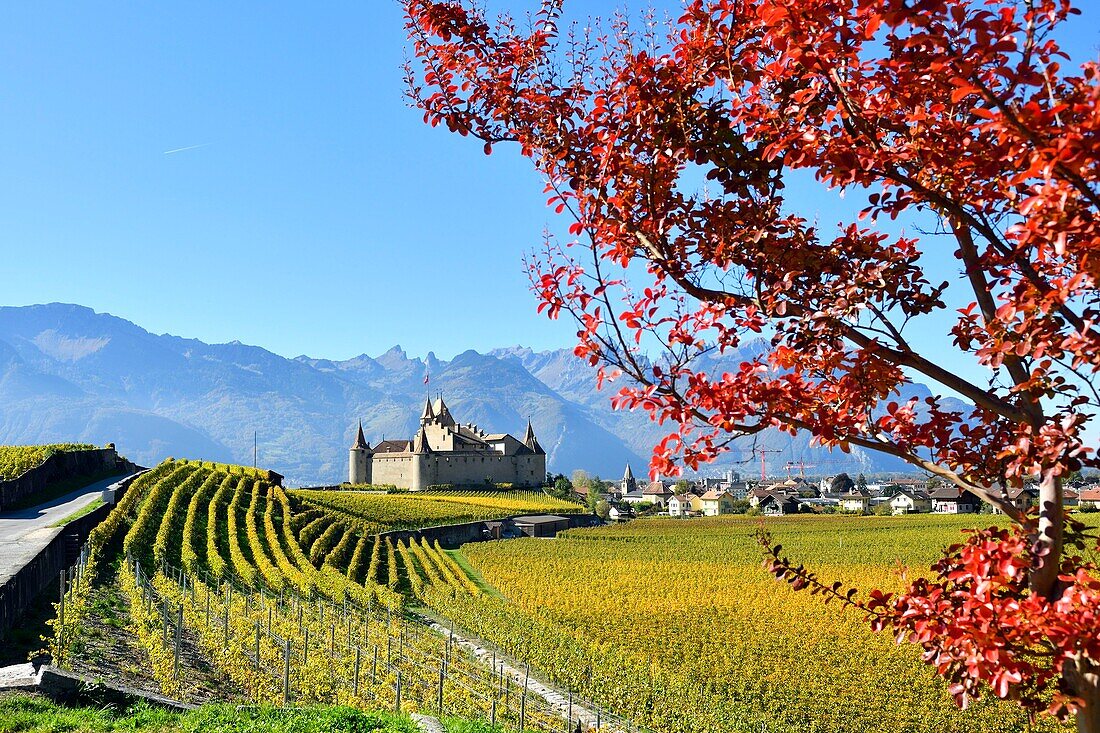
(669, 146)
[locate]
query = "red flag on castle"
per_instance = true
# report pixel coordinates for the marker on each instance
(426, 374)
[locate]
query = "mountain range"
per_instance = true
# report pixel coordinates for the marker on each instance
(68, 373)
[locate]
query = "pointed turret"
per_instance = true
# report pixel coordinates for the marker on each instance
(360, 440)
(530, 440)
(443, 414)
(429, 414)
(420, 442)
(629, 475)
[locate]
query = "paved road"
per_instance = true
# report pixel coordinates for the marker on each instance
(24, 533)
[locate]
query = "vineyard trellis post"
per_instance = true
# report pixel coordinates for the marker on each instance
(286, 672)
(397, 694)
(61, 609)
(439, 694)
(257, 645)
(355, 678)
(179, 641)
(523, 709)
(374, 668)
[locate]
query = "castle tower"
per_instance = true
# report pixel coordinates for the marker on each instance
(359, 459)
(429, 414)
(628, 484)
(423, 474)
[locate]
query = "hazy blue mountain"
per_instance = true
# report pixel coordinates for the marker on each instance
(68, 373)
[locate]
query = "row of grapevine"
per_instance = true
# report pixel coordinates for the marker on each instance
(142, 535)
(106, 539)
(373, 513)
(217, 547)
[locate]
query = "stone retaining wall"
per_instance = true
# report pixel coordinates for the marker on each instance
(45, 568)
(452, 536)
(59, 467)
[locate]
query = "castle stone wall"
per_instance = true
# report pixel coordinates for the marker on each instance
(421, 471)
(402, 471)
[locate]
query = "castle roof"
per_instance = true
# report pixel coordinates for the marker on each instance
(420, 443)
(392, 446)
(360, 441)
(428, 413)
(443, 413)
(531, 441)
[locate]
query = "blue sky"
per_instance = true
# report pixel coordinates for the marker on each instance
(319, 215)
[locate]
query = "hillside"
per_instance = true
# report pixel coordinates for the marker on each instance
(69, 373)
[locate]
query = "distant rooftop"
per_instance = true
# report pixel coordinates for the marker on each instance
(540, 519)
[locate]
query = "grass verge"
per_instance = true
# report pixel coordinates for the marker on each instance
(22, 713)
(79, 513)
(479, 580)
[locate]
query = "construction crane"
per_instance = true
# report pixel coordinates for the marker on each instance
(764, 462)
(802, 466)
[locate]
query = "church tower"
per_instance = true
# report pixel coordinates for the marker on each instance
(628, 484)
(359, 459)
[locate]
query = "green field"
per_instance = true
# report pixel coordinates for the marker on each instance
(21, 713)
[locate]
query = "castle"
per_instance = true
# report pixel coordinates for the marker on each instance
(445, 452)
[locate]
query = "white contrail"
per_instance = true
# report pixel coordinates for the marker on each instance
(189, 147)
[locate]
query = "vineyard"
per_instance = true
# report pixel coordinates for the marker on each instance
(293, 606)
(371, 513)
(15, 460)
(664, 621)
(296, 599)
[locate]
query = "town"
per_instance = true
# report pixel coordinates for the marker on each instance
(838, 494)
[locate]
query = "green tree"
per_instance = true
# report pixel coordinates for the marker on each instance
(841, 483)
(595, 493)
(603, 509)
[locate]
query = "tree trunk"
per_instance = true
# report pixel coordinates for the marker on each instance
(1084, 680)
(1048, 537)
